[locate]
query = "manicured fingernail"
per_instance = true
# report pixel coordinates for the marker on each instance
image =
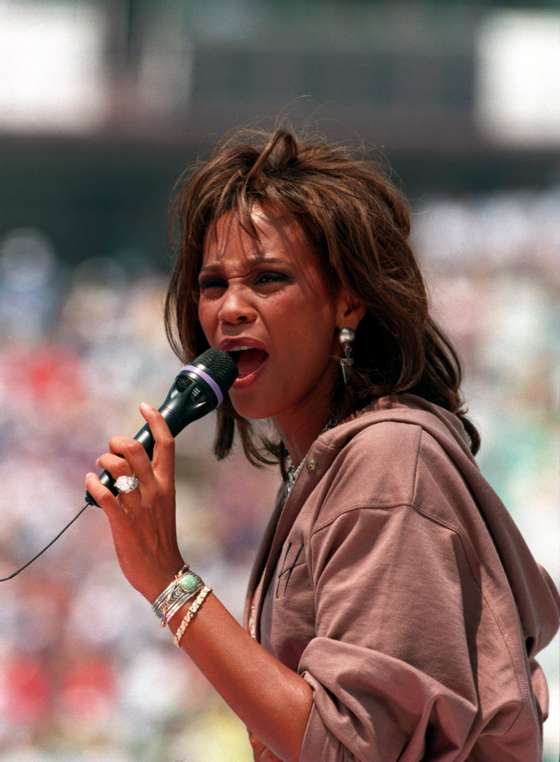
(145, 408)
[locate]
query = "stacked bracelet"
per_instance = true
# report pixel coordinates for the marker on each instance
(184, 587)
(190, 614)
(162, 597)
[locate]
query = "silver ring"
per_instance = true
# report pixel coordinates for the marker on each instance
(127, 484)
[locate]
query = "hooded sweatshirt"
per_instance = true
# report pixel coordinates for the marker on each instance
(395, 582)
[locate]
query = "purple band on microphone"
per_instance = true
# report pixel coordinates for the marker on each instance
(209, 380)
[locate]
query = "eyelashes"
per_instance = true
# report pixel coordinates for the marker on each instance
(272, 277)
(262, 279)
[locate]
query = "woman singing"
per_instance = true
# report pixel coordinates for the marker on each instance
(394, 611)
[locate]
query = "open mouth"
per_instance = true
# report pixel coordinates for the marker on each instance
(248, 360)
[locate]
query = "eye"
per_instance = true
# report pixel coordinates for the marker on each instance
(212, 282)
(270, 276)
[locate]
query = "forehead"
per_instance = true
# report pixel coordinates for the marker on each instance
(279, 235)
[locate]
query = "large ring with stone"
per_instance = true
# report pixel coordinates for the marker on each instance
(127, 484)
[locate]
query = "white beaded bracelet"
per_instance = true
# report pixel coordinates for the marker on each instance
(190, 614)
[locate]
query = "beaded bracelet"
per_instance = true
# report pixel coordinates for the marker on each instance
(190, 614)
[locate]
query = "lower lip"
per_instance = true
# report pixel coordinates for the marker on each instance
(242, 383)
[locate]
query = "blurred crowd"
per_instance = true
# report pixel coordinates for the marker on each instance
(86, 672)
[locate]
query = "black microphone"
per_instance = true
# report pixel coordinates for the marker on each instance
(198, 389)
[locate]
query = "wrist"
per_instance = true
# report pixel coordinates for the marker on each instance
(152, 586)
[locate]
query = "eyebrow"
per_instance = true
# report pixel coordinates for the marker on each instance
(253, 260)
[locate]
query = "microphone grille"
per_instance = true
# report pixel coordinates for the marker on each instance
(219, 365)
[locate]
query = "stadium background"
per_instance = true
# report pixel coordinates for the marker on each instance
(102, 105)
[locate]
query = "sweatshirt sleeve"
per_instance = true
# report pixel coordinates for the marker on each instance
(390, 665)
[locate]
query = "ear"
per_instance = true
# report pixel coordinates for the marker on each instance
(349, 310)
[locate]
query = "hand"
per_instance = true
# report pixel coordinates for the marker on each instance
(143, 521)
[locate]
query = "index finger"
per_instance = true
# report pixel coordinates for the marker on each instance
(164, 445)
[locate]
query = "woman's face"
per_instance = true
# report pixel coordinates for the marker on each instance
(267, 300)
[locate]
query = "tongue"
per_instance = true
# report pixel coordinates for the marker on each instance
(250, 360)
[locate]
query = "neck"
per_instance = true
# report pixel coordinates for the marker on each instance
(299, 428)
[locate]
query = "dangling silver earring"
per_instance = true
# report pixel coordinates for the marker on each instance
(346, 338)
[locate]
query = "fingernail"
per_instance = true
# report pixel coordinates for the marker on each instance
(145, 407)
(89, 473)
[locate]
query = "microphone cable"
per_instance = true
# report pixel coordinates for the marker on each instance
(40, 553)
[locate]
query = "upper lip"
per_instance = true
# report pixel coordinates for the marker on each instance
(230, 345)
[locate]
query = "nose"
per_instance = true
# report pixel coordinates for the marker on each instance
(236, 307)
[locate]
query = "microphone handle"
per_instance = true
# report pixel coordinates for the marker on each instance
(180, 408)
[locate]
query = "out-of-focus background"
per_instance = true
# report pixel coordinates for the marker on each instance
(102, 105)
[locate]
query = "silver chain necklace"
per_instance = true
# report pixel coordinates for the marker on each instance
(292, 472)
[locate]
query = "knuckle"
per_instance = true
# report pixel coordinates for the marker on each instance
(113, 464)
(115, 443)
(134, 447)
(127, 445)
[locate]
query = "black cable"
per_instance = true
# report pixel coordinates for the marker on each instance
(40, 553)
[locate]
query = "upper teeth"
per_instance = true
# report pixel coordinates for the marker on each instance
(240, 349)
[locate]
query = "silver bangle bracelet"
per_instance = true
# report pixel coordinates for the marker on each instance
(167, 590)
(170, 611)
(162, 597)
(180, 589)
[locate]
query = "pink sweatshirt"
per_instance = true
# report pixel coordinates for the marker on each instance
(395, 582)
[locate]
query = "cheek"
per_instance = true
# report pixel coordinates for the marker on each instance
(307, 340)
(207, 318)
(315, 324)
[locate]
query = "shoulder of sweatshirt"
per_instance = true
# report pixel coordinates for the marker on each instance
(391, 463)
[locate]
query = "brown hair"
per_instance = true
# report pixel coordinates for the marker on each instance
(360, 224)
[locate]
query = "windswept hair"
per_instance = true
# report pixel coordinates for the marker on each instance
(360, 225)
